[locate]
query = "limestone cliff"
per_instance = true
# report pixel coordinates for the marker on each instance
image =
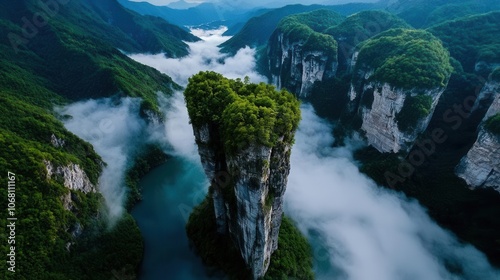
(481, 166)
(73, 176)
(380, 104)
(250, 208)
(295, 66)
(244, 144)
(397, 81)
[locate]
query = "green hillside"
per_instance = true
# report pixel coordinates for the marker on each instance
(359, 27)
(407, 59)
(471, 39)
(71, 56)
(425, 13)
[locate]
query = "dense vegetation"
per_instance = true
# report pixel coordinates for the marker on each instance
(317, 20)
(495, 75)
(246, 113)
(72, 38)
(471, 39)
(424, 13)
(492, 124)
(71, 57)
(258, 29)
(415, 108)
(359, 27)
(292, 260)
(307, 28)
(406, 59)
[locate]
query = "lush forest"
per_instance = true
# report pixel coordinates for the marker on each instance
(471, 39)
(79, 53)
(406, 59)
(425, 13)
(308, 28)
(246, 113)
(257, 30)
(71, 57)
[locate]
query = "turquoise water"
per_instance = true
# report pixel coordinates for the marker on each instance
(169, 192)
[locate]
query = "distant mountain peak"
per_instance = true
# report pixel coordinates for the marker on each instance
(182, 5)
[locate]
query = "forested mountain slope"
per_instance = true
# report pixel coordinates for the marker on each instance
(51, 55)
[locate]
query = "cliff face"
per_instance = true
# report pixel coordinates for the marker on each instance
(244, 133)
(250, 206)
(379, 105)
(73, 176)
(297, 69)
(481, 166)
(398, 78)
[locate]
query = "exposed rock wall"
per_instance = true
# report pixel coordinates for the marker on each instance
(379, 117)
(250, 207)
(296, 69)
(481, 166)
(74, 177)
(487, 94)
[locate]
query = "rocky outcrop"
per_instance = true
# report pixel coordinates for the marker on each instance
(244, 133)
(379, 105)
(486, 95)
(296, 69)
(481, 166)
(74, 178)
(57, 142)
(247, 191)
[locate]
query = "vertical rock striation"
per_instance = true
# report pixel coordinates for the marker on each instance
(398, 79)
(248, 165)
(296, 67)
(481, 166)
(380, 117)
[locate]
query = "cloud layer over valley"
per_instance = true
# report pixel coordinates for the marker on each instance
(205, 55)
(360, 231)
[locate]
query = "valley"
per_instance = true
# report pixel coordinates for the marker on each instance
(392, 171)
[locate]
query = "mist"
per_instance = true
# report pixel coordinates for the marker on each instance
(205, 55)
(115, 130)
(367, 232)
(358, 230)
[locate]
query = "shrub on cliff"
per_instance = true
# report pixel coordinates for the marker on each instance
(492, 124)
(306, 28)
(245, 113)
(407, 59)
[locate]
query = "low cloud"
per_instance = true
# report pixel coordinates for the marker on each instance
(359, 230)
(367, 232)
(114, 128)
(205, 55)
(177, 131)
